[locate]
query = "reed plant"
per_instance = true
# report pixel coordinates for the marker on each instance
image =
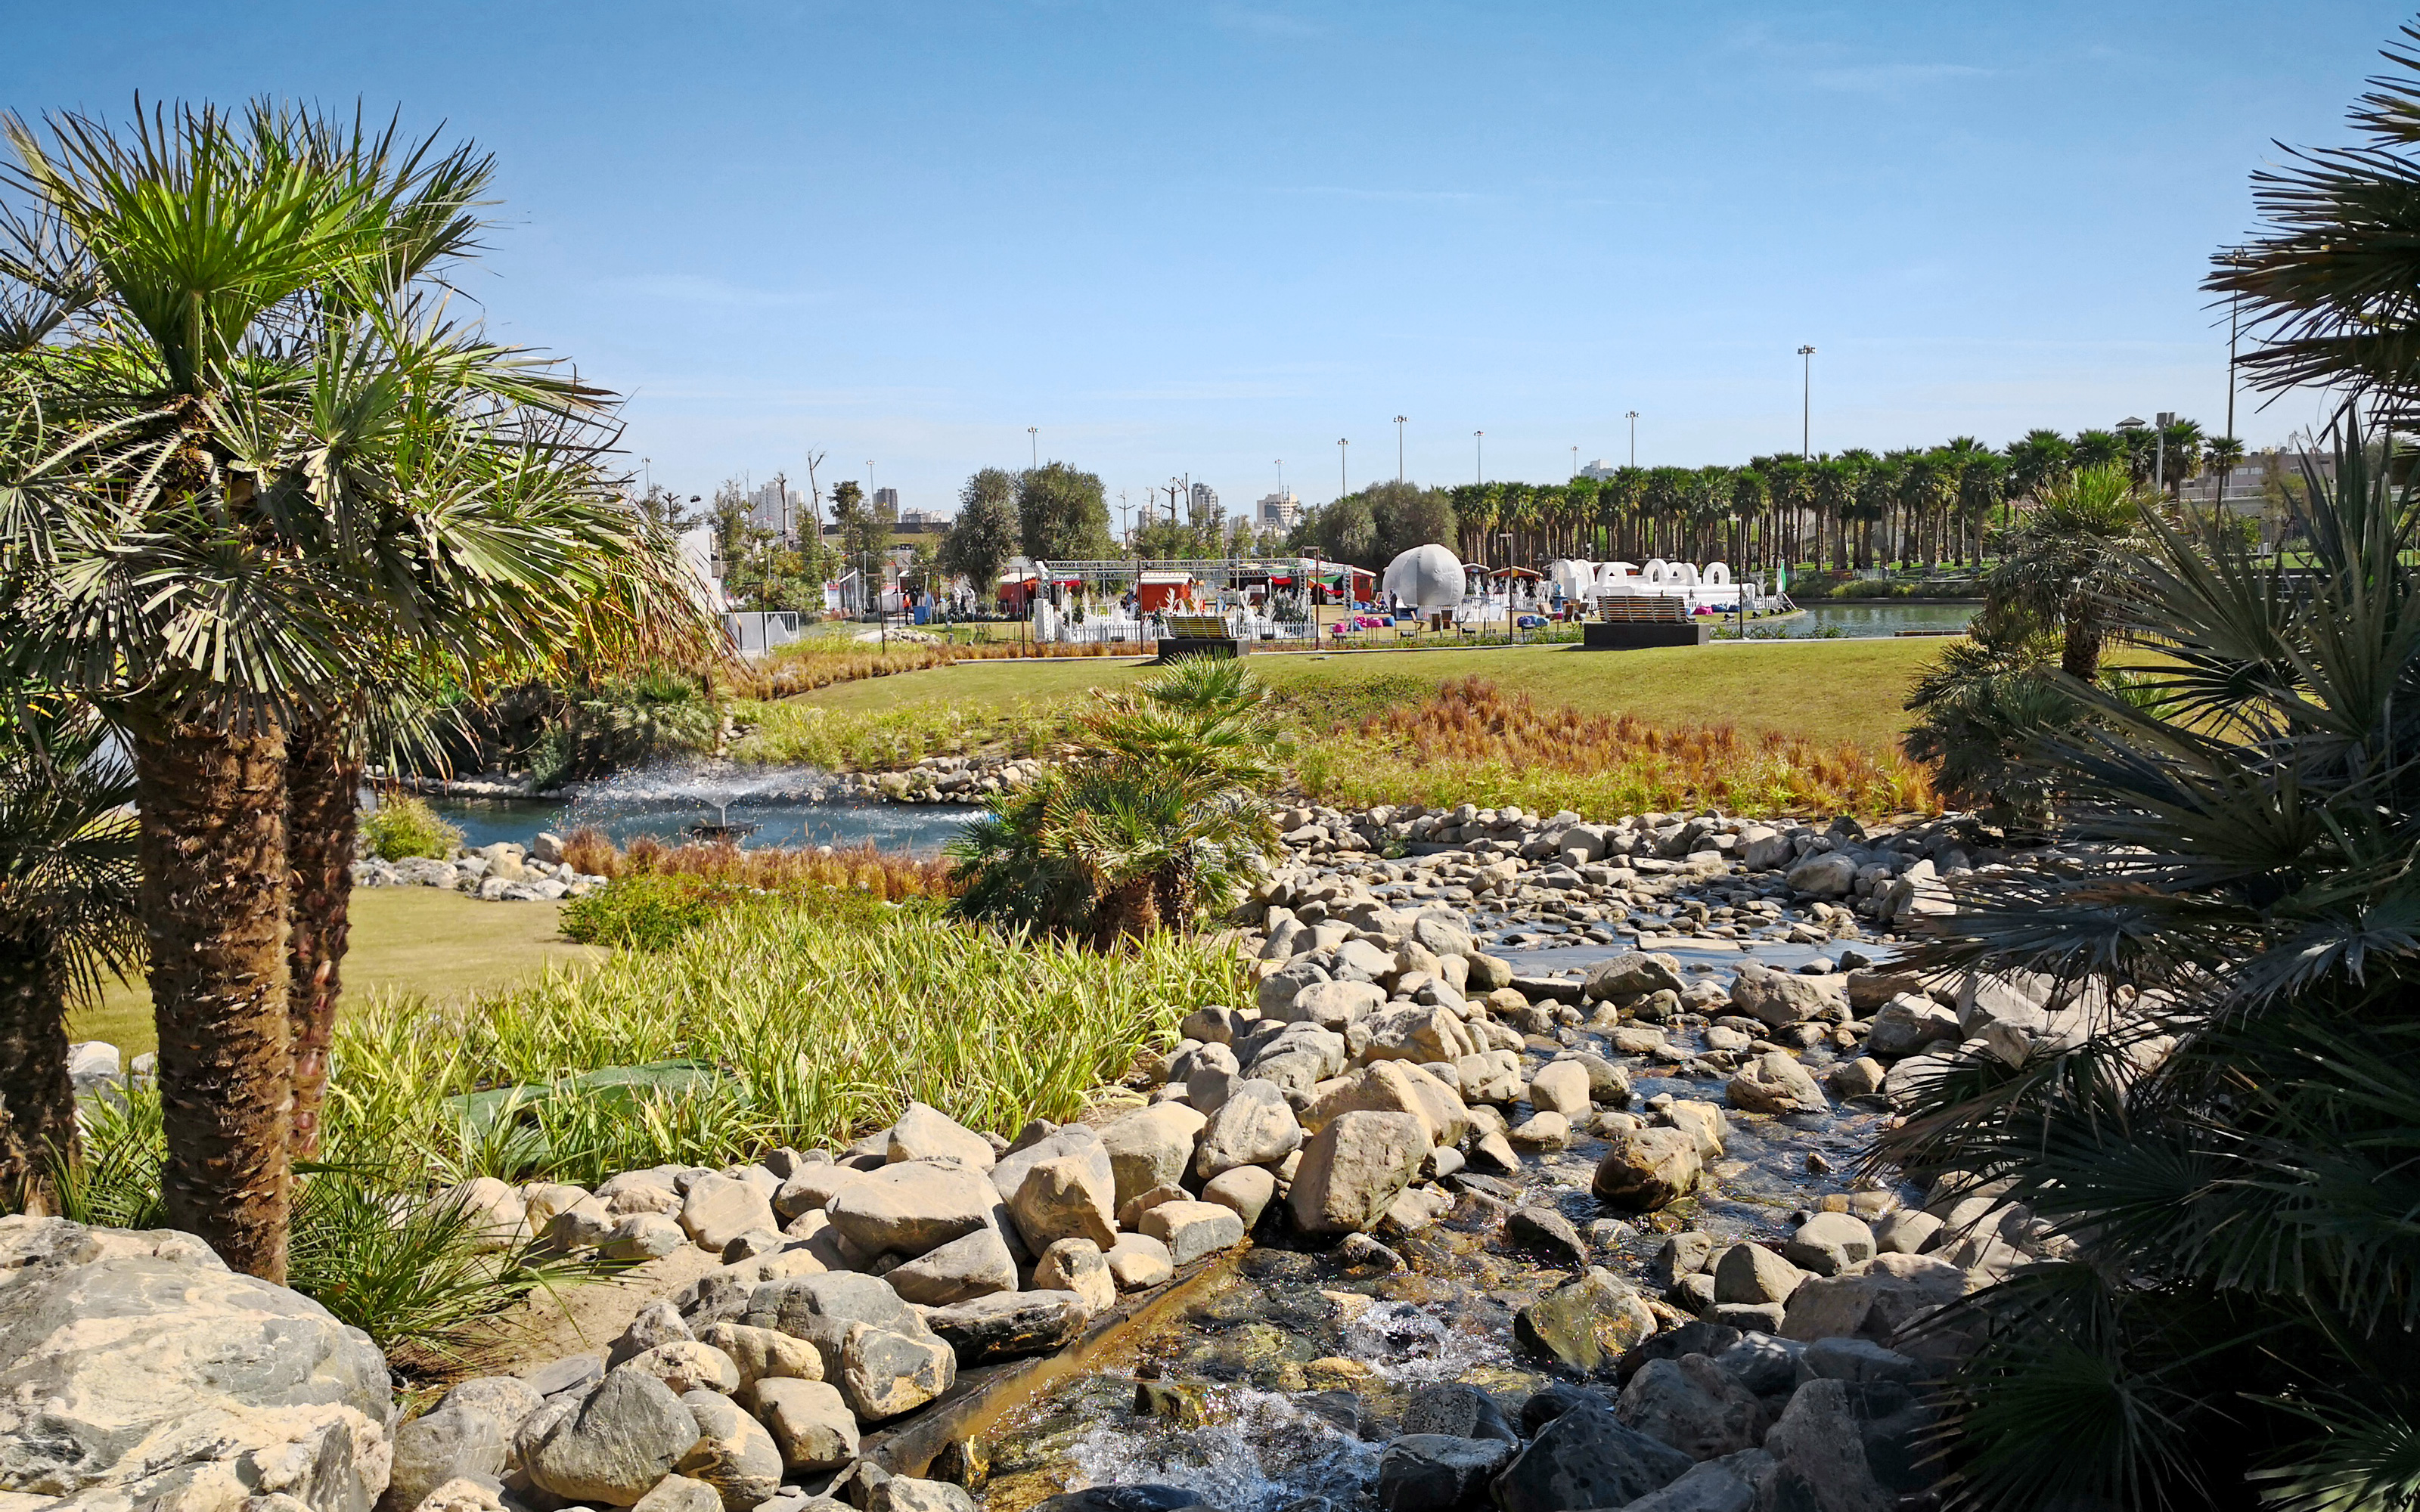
(1472, 743)
(886, 876)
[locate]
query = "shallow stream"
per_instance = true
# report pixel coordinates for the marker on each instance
(789, 805)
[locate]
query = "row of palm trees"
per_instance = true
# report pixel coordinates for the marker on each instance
(265, 497)
(1854, 508)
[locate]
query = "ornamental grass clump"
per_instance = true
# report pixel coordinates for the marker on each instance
(404, 826)
(1472, 743)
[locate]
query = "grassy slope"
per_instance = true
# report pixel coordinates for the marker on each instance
(439, 945)
(1825, 690)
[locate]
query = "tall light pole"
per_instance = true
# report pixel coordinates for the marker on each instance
(2234, 305)
(1575, 461)
(1341, 444)
(1633, 416)
(1478, 453)
(1805, 402)
(1033, 445)
(2159, 449)
(1399, 448)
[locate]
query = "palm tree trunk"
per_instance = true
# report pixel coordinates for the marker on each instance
(323, 778)
(37, 1099)
(2079, 652)
(1131, 908)
(213, 810)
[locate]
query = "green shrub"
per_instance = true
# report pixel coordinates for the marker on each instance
(647, 912)
(404, 826)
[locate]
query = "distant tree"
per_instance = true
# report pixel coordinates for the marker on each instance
(1061, 513)
(2097, 449)
(1346, 532)
(863, 539)
(1403, 515)
(2041, 457)
(669, 509)
(2222, 455)
(984, 535)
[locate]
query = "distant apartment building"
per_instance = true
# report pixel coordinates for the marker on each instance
(775, 507)
(1277, 511)
(886, 505)
(1598, 469)
(923, 520)
(1201, 508)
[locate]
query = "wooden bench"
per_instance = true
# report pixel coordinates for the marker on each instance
(1632, 621)
(1197, 635)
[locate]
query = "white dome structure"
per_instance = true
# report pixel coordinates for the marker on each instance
(1573, 577)
(1426, 577)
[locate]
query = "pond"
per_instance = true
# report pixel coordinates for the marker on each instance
(789, 806)
(1865, 622)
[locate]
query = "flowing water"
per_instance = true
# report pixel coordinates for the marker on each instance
(1282, 1382)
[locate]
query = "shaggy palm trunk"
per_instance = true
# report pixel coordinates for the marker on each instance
(323, 778)
(37, 1098)
(1130, 908)
(2079, 652)
(213, 810)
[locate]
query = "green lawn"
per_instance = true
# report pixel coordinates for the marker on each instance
(438, 943)
(1825, 690)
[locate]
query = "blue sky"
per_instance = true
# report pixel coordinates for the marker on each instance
(1198, 238)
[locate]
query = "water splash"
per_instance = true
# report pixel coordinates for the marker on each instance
(1255, 1450)
(709, 783)
(1413, 1346)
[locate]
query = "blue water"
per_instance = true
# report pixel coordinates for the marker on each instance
(1866, 622)
(917, 830)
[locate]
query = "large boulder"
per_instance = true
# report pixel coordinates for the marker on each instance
(1255, 1126)
(1066, 1199)
(1150, 1147)
(1694, 1405)
(733, 1452)
(1589, 1323)
(874, 1347)
(1586, 1457)
(1780, 999)
(973, 1265)
(615, 1445)
(1009, 1324)
(1876, 1301)
(1330, 1005)
(1077, 1139)
(924, 1133)
(1776, 1083)
(1633, 974)
(1436, 1472)
(136, 1366)
(913, 1206)
(1644, 1169)
(457, 1439)
(719, 1209)
(1353, 1170)
(1825, 874)
(1820, 1455)
(1392, 1086)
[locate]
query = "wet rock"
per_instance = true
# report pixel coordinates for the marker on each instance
(912, 1208)
(1138, 1260)
(621, 1439)
(809, 1420)
(1647, 1169)
(1436, 1472)
(1354, 1169)
(1875, 1301)
(1150, 1147)
(1906, 1024)
(1193, 1229)
(719, 1209)
(1776, 1083)
(1587, 1323)
(1694, 1405)
(762, 1353)
(1542, 1131)
(1861, 1077)
(1682, 1253)
(1010, 1323)
(1255, 1126)
(686, 1365)
(1247, 1189)
(1547, 1232)
(1819, 1457)
(1561, 1087)
(1633, 974)
(1860, 1361)
(1704, 1122)
(1458, 1411)
(1586, 1457)
(907, 1493)
(733, 1453)
(1829, 1243)
(973, 1265)
(1695, 1337)
(924, 1133)
(1121, 1499)
(457, 1440)
(1753, 1275)
(1079, 1266)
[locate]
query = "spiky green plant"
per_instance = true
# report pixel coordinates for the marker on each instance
(2236, 1163)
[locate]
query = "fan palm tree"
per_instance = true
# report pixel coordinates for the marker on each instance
(2061, 562)
(275, 482)
(2232, 1169)
(2097, 449)
(68, 914)
(2038, 458)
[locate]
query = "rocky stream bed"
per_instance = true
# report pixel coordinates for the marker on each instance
(1530, 1178)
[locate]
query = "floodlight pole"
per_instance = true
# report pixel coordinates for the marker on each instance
(1806, 403)
(1399, 448)
(1633, 416)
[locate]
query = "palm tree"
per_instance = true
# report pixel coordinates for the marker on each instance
(67, 913)
(2228, 1173)
(2328, 291)
(1833, 491)
(2097, 449)
(2058, 565)
(2222, 455)
(276, 486)
(2038, 458)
